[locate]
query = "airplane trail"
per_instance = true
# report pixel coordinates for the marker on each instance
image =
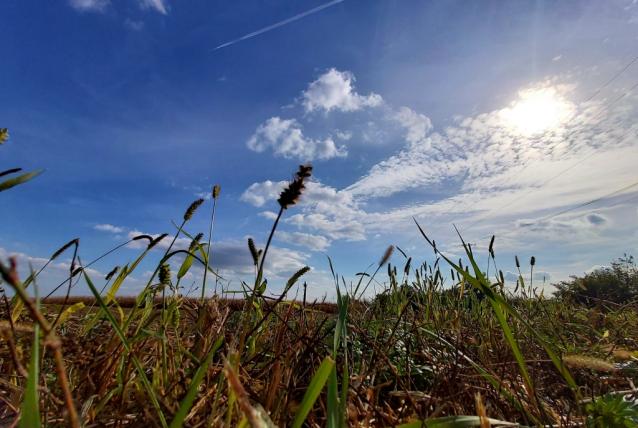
(280, 24)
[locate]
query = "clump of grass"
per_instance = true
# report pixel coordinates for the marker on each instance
(429, 348)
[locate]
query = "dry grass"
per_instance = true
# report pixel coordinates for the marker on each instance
(428, 347)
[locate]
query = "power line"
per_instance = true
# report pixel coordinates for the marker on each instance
(602, 111)
(580, 161)
(581, 205)
(593, 201)
(616, 76)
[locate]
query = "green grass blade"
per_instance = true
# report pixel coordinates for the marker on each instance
(127, 346)
(22, 178)
(187, 402)
(30, 410)
(314, 389)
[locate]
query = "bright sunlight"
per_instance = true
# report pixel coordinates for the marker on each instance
(537, 111)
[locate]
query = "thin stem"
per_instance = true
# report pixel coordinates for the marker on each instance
(260, 272)
(210, 237)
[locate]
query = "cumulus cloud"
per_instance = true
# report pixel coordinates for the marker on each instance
(231, 257)
(258, 194)
(487, 173)
(270, 215)
(286, 139)
(417, 125)
(335, 226)
(334, 90)
(108, 228)
(308, 240)
(324, 209)
(90, 5)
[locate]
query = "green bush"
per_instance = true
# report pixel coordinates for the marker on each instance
(617, 283)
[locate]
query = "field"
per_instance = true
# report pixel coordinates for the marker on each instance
(426, 351)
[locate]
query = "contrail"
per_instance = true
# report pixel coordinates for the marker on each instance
(280, 23)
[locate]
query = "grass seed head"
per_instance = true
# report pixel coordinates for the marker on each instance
(386, 255)
(111, 273)
(291, 194)
(156, 241)
(192, 208)
(165, 275)
(216, 189)
(195, 242)
(63, 248)
(253, 251)
(491, 248)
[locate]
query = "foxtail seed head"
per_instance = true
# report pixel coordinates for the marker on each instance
(192, 208)
(165, 275)
(386, 255)
(291, 194)
(216, 189)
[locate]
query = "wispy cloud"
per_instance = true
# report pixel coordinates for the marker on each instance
(108, 228)
(90, 5)
(475, 168)
(157, 5)
(280, 23)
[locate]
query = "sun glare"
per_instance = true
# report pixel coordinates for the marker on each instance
(536, 111)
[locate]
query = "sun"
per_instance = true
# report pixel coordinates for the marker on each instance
(537, 111)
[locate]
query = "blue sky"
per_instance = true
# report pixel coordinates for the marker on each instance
(494, 116)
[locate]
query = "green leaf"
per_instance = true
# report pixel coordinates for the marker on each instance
(313, 391)
(186, 265)
(110, 295)
(69, 311)
(30, 411)
(23, 178)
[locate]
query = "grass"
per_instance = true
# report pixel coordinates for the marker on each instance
(431, 349)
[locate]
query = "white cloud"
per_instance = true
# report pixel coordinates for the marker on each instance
(270, 215)
(134, 25)
(108, 228)
(285, 138)
(343, 135)
(157, 5)
(487, 174)
(417, 125)
(258, 194)
(308, 240)
(90, 5)
(334, 90)
(324, 209)
(580, 226)
(336, 227)
(487, 152)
